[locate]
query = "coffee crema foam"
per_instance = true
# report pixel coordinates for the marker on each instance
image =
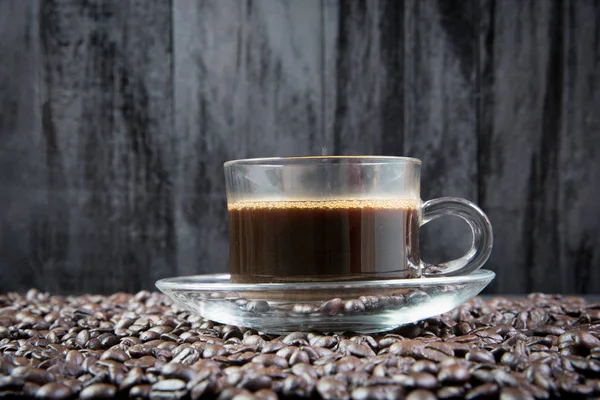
(349, 204)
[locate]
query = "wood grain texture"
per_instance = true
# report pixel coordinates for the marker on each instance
(117, 115)
(400, 81)
(22, 159)
(105, 217)
(532, 139)
(247, 84)
(578, 162)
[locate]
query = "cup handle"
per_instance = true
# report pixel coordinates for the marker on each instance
(481, 246)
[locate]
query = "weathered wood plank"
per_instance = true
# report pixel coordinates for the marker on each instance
(400, 81)
(440, 113)
(247, 84)
(578, 161)
(520, 133)
(107, 127)
(22, 165)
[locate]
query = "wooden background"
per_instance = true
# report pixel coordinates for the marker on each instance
(116, 117)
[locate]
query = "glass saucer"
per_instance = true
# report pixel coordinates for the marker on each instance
(360, 306)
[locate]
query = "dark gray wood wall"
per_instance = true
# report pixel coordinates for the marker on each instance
(116, 117)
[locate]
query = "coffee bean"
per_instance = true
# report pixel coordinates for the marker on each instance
(296, 339)
(299, 356)
(408, 348)
(301, 386)
(356, 349)
(331, 388)
(378, 392)
(140, 391)
(546, 330)
(169, 385)
(425, 366)
(271, 359)
(587, 340)
(417, 297)
(98, 391)
(272, 346)
(354, 306)
(451, 392)
(54, 391)
(134, 377)
(511, 393)
(143, 362)
(480, 356)
(324, 341)
(453, 374)
(348, 363)
(35, 375)
(301, 369)
(213, 350)
(256, 382)
(257, 306)
(424, 380)
(8, 383)
(370, 302)
(484, 391)
(266, 394)
(420, 394)
(115, 354)
(234, 393)
(304, 308)
(94, 344)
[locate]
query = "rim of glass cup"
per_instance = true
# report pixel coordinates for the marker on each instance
(282, 161)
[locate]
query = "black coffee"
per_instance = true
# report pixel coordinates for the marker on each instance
(293, 241)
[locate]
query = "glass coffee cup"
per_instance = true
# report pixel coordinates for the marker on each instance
(338, 218)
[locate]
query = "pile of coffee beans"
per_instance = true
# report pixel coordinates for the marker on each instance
(142, 346)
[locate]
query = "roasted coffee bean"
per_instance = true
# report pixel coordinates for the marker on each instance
(420, 394)
(555, 352)
(257, 306)
(483, 391)
(331, 388)
(480, 356)
(425, 366)
(453, 374)
(35, 375)
(115, 354)
(54, 391)
(324, 341)
(140, 391)
(169, 385)
(304, 308)
(408, 348)
(143, 362)
(256, 382)
(354, 306)
(451, 392)
(134, 377)
(98, 391)
(299, 356)
(513, 393)
(377, 392)
(213, 350)
(8, 383)
(265, 394)
(332, 307)
(270, 360)
(301, 369)
(424, 380)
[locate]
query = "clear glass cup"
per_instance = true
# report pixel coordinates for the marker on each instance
(338, 218)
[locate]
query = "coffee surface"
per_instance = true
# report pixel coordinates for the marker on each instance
(290, 241)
